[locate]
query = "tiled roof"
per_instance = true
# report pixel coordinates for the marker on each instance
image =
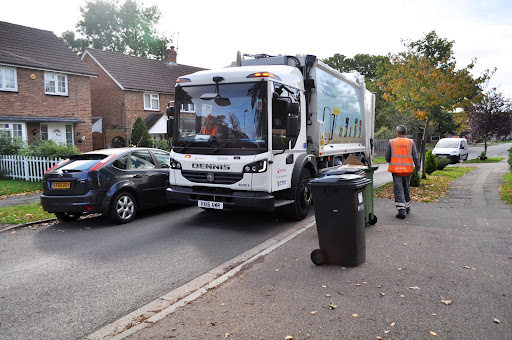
(152, 119)
(139, 74)
(34, 48)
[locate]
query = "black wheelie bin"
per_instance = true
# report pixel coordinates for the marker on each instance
(340, 219)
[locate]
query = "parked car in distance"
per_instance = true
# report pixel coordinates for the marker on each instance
(114, 182)
(456, 149)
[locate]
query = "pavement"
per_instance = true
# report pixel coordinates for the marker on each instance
(444, 272)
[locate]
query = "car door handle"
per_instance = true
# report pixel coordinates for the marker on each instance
(137, 176)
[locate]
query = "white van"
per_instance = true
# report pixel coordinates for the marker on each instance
(454, 148)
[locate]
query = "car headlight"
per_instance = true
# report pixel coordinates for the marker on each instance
(256, 167)
(175, 164)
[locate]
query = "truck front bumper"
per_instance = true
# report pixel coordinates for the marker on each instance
(261, 201)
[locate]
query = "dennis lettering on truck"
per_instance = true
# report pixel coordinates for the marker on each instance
(211, 166)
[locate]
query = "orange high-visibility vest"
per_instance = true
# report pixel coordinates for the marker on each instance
(401, 156)
(212, 131)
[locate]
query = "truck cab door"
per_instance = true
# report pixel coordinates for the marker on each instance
(285, 126)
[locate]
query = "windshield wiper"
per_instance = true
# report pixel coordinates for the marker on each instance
(222, 145)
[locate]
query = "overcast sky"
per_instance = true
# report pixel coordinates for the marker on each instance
(208, 33)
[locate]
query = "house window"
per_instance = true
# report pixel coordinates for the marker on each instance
(44, 131)
(8, 79)
(188, 107)
(69, 134)
(151, 101)
(55, 84)
(11, 129)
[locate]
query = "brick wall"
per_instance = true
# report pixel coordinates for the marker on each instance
(31, 101)
(118, 108)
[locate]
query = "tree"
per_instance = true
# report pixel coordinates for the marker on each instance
(128, 29)
(140, 134)
(492, 116)
(424, 81)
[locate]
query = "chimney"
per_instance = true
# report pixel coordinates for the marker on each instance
(170, 56)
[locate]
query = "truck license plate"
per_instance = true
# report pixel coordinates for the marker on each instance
(210, 204)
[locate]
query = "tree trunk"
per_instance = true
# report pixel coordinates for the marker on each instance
(423, 148)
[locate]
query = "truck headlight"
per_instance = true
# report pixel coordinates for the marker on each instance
(175, 164)
(256, 167)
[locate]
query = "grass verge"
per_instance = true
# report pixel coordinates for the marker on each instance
(10, 187)
(379, 160)
(23, 214)
(506, 189)
(431, 189)
(488, 160)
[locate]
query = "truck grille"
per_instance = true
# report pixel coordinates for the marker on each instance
(219, 177)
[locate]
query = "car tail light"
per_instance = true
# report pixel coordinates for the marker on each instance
(102, 162)
(56, 165)
(88, 207)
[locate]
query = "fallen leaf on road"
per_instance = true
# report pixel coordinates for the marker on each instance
(402, 295)
(382, 294)
(277, 269)
(434, 314)
(415, 287)
(355, 315)
(289, 337)
(378, 338)
(324, 286)
(419, 243)
(405, 244)
(392, 324)
(378, 286)
(387, 331)
(432, 333)
(496, 320)
(447, 302)
(313, 312)
(327, 295)
(227, 335)
(332, 305)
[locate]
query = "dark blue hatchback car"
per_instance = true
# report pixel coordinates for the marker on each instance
(113, 182)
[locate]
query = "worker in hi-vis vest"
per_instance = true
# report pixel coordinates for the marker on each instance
(403, 160)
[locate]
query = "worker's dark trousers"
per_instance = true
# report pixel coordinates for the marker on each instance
(402, 192)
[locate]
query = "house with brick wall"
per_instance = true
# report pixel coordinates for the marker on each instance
(44, 88)
(128, 87)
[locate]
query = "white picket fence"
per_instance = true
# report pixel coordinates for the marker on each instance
(26, 167)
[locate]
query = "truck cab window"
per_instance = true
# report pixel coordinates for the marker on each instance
(281, 97)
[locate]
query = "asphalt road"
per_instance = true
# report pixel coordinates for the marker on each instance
(66, 280)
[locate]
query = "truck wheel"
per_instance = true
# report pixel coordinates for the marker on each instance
(67, 217)
(318, 257)
(124, 208)
(302, 198)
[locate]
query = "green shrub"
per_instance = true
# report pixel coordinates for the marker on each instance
(442, 163)
(140, 134)
(48, 148)
(430, 162)
(160, 144)
(415, 179)
(11, 146)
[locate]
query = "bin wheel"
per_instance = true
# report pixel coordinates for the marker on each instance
(318, 257)
(373, 220)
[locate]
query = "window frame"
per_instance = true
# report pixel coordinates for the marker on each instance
(56, 85)
(2, 79)
(14, 129)
(148, 105)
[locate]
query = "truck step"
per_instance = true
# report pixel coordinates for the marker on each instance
(280, 203)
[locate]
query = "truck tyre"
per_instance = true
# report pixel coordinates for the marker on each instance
(124, 208)
(302, 198)
(67, 217)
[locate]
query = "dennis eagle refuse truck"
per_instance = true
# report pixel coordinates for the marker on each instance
(251, 135)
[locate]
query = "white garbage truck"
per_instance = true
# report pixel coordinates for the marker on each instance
(251, 135)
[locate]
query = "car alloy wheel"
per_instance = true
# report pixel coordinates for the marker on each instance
(124, 208)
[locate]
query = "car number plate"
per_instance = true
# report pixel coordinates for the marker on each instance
(210, 205)
(61, 185)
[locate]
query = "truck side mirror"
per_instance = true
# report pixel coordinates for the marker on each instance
(292, 126)
(170, 121)
(293, 108)
(170, 111)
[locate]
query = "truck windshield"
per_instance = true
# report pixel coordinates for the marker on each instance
(223, 118)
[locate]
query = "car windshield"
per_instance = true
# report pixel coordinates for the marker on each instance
(447, 143)
(221, 118)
